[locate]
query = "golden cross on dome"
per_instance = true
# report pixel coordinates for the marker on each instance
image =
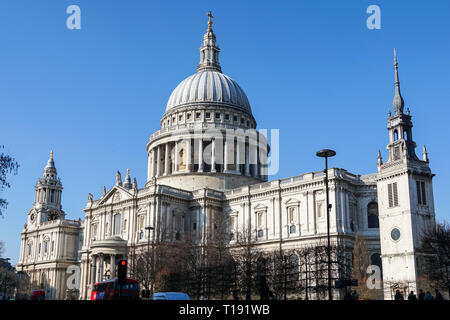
(51, 154)
(210, 17)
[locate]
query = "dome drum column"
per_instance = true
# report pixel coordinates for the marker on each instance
(226, 156)
(188, 155)
(247, 160)
(176, 157)
(213, 155)
(200, 155)
(158, 161)
(166, 160)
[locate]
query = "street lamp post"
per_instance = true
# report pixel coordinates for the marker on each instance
(148, 256)
(327, 153)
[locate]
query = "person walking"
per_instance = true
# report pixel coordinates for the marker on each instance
(428, 296)
(355, 295)
(421, 295)
(412, 296)
(398, 295)
(438, 295)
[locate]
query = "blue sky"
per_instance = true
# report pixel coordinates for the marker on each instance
(310, 68)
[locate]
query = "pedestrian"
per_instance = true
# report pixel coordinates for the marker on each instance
(412, 296)
(438, 295)
(271, 296)
(348, 296)
(398, 295)
(428, 296)
(355, 295)
(421, 295)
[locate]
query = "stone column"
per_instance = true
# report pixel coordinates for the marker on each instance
(97, 269)
(158, 162)
(176, 156)
(213, 155)
(226, 157)
(255, 171)
(113, 266)
(238, 157)
(153, 163)
(166, 160)
(101, 267)
(247, 160)
(200, 155)
(92, 272)
(188, 155)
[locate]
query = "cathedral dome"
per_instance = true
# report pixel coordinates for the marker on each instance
(209, 87)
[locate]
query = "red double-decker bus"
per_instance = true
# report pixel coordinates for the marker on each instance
(110, 290)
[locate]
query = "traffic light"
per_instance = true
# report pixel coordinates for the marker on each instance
(122, 272)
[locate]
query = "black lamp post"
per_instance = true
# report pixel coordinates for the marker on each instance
(148, 254)
(327, 153)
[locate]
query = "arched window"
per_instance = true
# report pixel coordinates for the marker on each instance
(405, 135)
(117, 223)
(395, 135)
(375, 259)
(293, 261)
(372, 215)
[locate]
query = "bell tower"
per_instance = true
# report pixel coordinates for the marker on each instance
(406, 205)
(47, 198)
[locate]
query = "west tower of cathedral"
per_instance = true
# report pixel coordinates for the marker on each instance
(49, 242)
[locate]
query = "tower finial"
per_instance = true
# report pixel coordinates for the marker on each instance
(51, 155)
(425, 154)
(210, 16)
(398, 103)
(209, 52)
(379, 158)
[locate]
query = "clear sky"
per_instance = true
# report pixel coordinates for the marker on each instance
(310, 68)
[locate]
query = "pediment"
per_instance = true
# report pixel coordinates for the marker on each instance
(292, 202)
(260, 207)
(115, 195)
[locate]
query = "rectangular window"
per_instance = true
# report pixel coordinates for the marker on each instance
(393, 195)
(217, 115)
(197, 115)
(117, 223)
(207, 115)
(319, 209)
(260, 218)
(421, 195)
(396, 153)
(292, 214)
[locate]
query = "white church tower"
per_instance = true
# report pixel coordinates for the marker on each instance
(49, 242)
(406, 207)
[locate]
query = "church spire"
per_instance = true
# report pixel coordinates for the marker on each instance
(209, 52)
(398, 103)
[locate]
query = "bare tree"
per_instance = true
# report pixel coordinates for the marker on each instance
(283, 273)
(246, 254)
(435, 259)
(7, 165)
